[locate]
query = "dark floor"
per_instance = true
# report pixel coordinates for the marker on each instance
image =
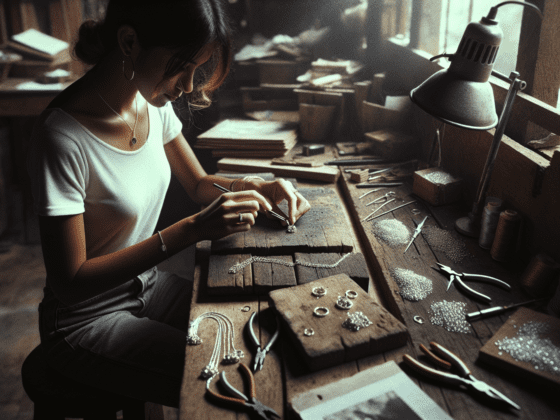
(22, 275)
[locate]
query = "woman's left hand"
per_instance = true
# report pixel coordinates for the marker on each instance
(276, 191)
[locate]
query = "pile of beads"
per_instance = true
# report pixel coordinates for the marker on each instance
(412, 286)
(391, 231)
(451, 316)
(528, 346)
(443, 241)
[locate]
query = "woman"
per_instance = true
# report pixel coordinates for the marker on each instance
(100, 164)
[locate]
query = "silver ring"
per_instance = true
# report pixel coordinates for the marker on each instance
(344, 303)
(240, 217)
(308, 332)
(351, 294)
(319, 291)
(320, 311)
(246, 308)
(418, 319)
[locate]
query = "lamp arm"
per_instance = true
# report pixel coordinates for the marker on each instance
(516, 85)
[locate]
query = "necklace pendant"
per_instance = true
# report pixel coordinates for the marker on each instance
(133, 141)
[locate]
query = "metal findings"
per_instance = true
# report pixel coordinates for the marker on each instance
(241, 265)
(356, 321)
(343, 303)
(415, 211)
(351, 294)
(418, 319)
(246, 308)
(308, 332)
(319, 291)
(291, 229)
(320, 311)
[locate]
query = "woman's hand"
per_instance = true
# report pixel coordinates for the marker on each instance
(230, 213)
(276, 191)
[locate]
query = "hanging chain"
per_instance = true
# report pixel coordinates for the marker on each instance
(241, 265)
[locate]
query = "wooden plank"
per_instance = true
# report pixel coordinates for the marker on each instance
(268, 276)
(320, 230)
(420, 258)
(538, 59)
(491, 353)
(331, 343)
(220, 281)
(354, 266)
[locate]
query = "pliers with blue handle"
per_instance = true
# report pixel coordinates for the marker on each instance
(464, 377)
(261, 352)
(459, 277)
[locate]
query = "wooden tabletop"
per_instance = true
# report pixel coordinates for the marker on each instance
(284, 375)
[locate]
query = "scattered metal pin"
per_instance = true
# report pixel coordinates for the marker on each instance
(418, 319)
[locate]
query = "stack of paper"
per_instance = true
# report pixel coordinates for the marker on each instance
(38, 45)
(246, 138)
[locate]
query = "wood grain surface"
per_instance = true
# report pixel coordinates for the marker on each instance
(262, 277)
(420, 258)
(321, 229)
(490, 353)
(332, 344)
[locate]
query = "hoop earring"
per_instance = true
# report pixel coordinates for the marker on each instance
(124, 73)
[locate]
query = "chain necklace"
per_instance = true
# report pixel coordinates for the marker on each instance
(133, 141)
(241, 265)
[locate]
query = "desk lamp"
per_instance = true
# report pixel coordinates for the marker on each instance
(462, 96)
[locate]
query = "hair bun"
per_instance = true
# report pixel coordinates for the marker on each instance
(90, 48)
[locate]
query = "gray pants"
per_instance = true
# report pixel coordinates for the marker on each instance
(129, 340)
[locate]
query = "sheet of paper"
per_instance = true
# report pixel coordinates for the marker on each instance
(39, 86)
(41, 42)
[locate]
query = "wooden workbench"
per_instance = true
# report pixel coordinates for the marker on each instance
(284, 376)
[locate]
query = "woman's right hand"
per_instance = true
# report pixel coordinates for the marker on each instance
(231, 212)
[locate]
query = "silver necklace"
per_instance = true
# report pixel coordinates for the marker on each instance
(241, 265)
(133, 141)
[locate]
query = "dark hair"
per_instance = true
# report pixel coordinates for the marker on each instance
(183, 25)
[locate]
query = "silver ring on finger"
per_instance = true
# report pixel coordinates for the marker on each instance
(240, 217)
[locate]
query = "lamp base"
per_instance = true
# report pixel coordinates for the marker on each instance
(467, 227)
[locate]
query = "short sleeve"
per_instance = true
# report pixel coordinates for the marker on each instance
(57, 170)
(171, 124)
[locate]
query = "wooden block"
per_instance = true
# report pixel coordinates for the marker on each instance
(354, 266)
(321, 229)
(392, 145)
(332, 344)
(377, 117)
(316, 121)
(436, 186)
(360, 175)
(280, 71)
(221, 282)
(491, 354)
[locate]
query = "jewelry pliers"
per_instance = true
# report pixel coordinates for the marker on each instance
(261, 352)
(250, 401)
(447, 360)
(459, 277)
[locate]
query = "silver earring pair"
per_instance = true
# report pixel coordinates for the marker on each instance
(124, 73)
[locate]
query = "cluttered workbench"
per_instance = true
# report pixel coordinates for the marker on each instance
(324, 354)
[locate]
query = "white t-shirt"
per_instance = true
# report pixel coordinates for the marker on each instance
(120, 193)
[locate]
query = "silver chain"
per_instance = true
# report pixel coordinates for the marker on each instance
(135, 122)
(241, 265)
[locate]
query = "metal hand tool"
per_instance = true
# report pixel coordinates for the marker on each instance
(459, 277)
(383, 197)
(243, 400)
(377, 209)
(223, 189)
(261, 352)
(496, 310)
(416, 233)
(389, 211)
(465, 376)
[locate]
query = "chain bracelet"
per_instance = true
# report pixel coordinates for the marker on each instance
(241, 265)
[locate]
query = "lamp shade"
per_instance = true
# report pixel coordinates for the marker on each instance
(456, 101)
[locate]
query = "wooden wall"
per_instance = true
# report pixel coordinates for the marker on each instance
(525, 180)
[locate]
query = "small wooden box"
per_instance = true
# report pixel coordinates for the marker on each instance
(332, 344)
(436, 186)
(391, 144)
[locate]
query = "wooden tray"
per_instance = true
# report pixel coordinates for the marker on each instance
(261, 278)
(490, 352)
(332, 344)
(321, 229)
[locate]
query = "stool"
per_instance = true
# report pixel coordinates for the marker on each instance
(56, 397)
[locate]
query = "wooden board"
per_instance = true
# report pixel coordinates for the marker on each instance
(332, 344)
(490, 352)
(354, 266)
(260, 278)
(321, 229)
